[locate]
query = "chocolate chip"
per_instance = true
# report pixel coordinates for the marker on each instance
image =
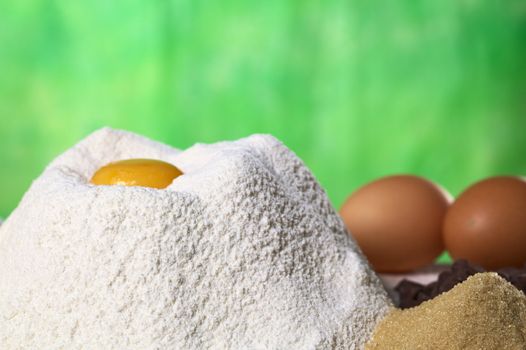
(412, 294)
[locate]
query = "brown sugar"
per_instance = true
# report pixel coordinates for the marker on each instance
(483, 312)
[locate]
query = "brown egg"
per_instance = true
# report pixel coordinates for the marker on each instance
(487, 223)
(397, 221)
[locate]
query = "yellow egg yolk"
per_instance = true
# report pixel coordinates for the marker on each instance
(137, 172)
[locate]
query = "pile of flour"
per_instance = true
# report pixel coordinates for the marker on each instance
(243, 251)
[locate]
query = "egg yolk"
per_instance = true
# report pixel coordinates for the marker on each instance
(137, 172)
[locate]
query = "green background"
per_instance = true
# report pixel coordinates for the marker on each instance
(359, 89)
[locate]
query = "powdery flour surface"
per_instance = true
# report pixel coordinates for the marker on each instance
(244, 251)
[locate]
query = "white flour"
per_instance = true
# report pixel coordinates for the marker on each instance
(244, 251)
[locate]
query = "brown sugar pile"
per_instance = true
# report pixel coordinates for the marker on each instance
(483, 312)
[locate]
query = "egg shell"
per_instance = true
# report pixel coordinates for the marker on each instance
(487, 223)
(397, 221)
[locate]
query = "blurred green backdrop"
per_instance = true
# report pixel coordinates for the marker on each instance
(359, 89)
